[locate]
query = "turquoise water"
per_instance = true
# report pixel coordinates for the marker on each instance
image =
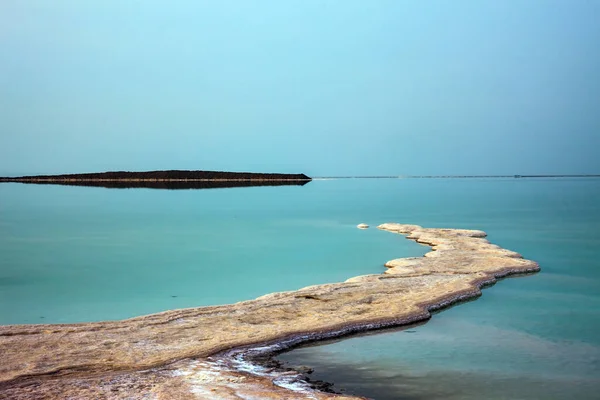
(525, 338)
(72, 254)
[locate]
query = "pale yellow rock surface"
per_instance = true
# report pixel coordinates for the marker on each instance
(362, 226)
(143, 357)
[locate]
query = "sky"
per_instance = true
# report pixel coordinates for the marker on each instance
(327, 87)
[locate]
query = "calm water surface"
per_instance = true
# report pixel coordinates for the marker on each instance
(525, 338)
(71, 254)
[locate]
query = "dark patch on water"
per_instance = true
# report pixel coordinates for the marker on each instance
(381, 383)
(170, 185)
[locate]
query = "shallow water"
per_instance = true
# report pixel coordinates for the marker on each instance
(525, 338)
(79, 254)
(70, 254)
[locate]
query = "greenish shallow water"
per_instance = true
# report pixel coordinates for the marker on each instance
(72, 254)
(532, 337)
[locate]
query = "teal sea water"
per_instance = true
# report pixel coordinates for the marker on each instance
(71, 254)
(74, 254)
(535, 337)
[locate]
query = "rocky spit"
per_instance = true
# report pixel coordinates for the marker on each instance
(211, 352)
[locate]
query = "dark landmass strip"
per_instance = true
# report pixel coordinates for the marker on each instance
(170, 184)
(174, 179)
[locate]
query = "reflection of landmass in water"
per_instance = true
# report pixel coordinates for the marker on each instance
(172, 185)
(174, 179)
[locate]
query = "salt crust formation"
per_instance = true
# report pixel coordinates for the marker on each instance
(207, 352)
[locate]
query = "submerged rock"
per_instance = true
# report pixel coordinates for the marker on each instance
(304, 369)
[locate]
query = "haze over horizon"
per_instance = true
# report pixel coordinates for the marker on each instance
(325, 88)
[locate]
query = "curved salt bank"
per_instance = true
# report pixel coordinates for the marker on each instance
(206, 352)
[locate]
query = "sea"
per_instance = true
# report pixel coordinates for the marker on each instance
(78, 254)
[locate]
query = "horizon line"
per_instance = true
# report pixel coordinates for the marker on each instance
(458, 176)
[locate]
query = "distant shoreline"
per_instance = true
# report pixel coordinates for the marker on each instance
(171, 180)
(160, 176)
(455, 176)
(224, 176)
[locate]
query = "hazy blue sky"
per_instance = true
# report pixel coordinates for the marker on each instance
(321, 87)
